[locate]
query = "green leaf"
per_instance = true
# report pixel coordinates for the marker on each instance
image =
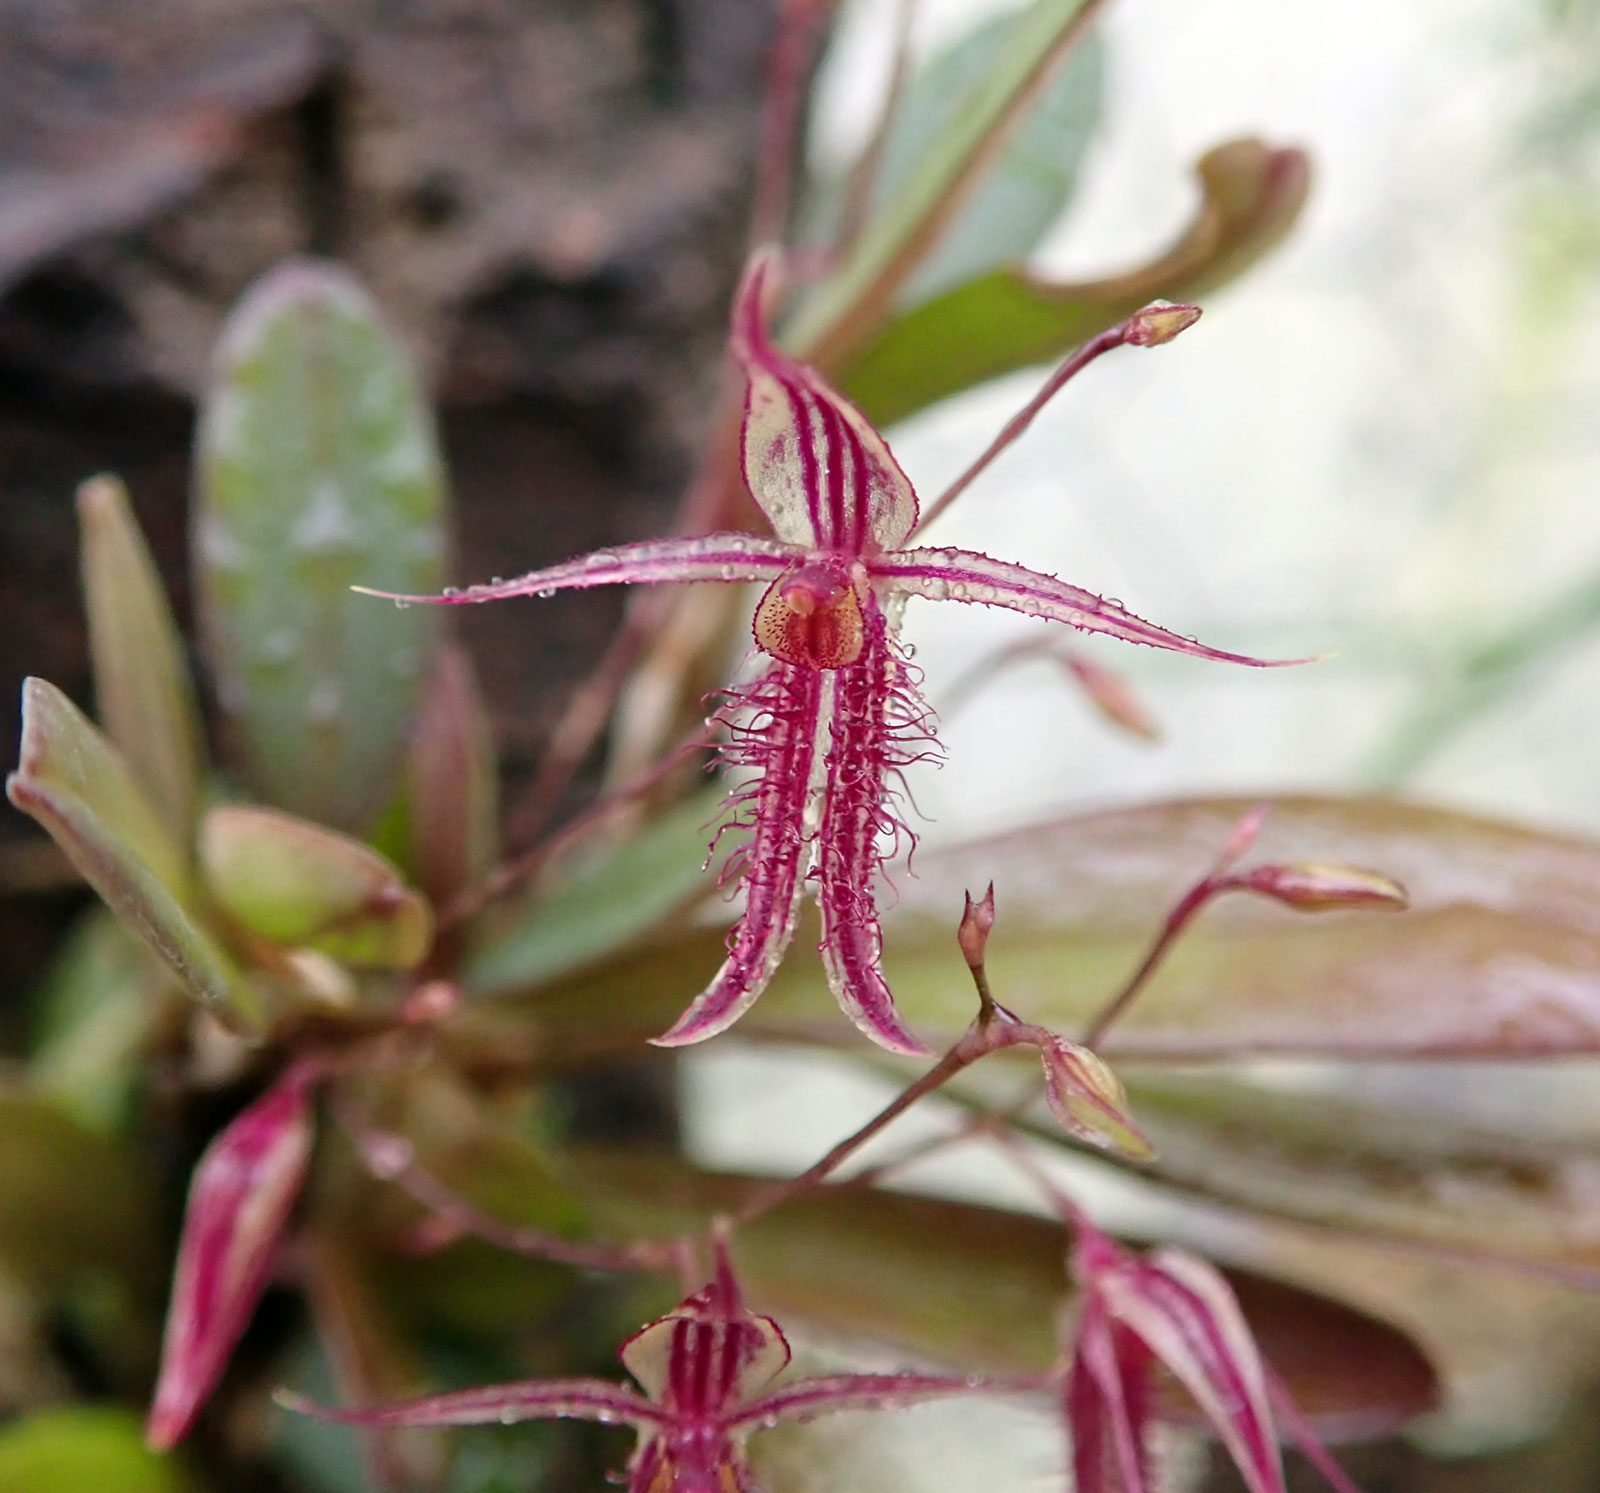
(297, 883)
(318, 469)
(83, 1449)
(607, 901)
(1251, 196)
(848, 306)
(70, 1199)
(141, 676)
(1023, 193)
(96, 1012)
(452, 777)
(76, 784)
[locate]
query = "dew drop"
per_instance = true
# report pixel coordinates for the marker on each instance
(451, 591)
(400, 604)
(546, 593)
(909, 650)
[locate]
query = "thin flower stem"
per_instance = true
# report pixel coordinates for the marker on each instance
(513, 873)
(1293, 1419)
(392, 1158)
(1177, 920)
(989, 1033)
(1072, 366)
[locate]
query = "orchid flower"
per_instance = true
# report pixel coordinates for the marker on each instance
(706, 1369)
(834, 717)
(1174, 1309)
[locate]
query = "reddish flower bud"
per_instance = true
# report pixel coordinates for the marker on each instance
(1110, 695)
(1321, 886)
(243, 1191)
(976, 921)
(1160, 322)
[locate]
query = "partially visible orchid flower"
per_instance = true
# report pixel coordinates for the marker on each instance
(1172, 1308)
(834, 717)
(707, 1370)
(244, 1189)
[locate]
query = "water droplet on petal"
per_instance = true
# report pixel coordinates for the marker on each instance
(546, 593)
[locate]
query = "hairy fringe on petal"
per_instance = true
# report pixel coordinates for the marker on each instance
(880, 727)
(775, 724)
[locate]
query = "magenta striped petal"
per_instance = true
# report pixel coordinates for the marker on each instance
(1185, 1313)
(965, 575)
(878, 727)
(1107, 1403)
(777, 724)
(243, 1191)
(822, 475)
(827, 1393)
(501, 1404)
(705, 557)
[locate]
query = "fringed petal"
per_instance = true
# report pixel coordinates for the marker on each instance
(822, 475)
(705, 557)
(965, 575)
(782, 719)
(879, 726)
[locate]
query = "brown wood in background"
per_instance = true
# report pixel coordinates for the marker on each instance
(547, 196)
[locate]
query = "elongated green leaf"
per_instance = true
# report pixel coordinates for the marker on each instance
(605, 903)
(141, 676)
(851, 303)
(318, 469)
(979, 1287)
(297, 883)
(83, 1449)
(1008, 319)
(76, 784)
(1032, 180)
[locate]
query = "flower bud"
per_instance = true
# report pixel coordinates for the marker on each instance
(1087, 1097)
(973, 934)
(1160, 322)
(1110, 695)
(243, 1191)
(1321, 886)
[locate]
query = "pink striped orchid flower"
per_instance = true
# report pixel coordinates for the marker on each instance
(1173, 1309)
(834, 716)
(706, 1369)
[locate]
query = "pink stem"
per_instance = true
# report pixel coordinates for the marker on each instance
(1072, 366)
